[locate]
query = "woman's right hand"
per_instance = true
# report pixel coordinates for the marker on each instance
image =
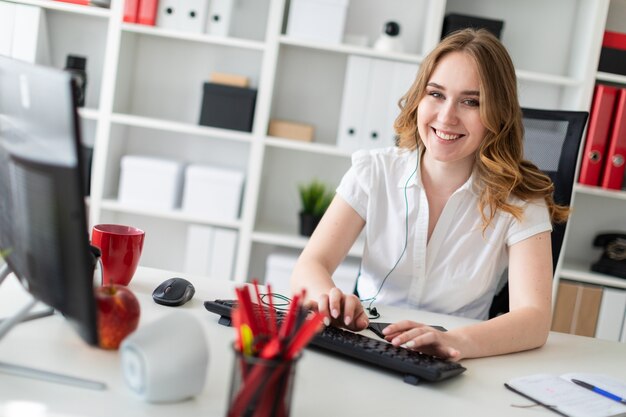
(342, 310)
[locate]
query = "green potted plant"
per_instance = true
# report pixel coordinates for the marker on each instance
(315, 198)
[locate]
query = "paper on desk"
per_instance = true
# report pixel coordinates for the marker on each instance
(563, 396)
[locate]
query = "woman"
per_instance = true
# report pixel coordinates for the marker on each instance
(445, 213)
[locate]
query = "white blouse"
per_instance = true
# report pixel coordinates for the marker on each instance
(458, 271)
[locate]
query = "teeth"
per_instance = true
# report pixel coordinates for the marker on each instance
(445, 136)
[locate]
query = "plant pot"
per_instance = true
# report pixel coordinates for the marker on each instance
(308, 223)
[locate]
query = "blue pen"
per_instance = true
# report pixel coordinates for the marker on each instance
(599, 391)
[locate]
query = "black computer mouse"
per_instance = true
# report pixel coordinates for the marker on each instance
(173, 292)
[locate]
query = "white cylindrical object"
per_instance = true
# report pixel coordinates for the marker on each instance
(166, 361)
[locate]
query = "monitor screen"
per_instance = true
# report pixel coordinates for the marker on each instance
(43, 229)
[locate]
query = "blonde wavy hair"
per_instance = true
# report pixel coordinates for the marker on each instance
(500, 165)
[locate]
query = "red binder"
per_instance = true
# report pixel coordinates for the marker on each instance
(130, 11)
(613, 175)
(604, 98)
(147, 12)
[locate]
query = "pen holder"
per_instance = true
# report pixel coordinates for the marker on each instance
(261, 387)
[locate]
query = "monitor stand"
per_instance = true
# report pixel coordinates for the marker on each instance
(24, 315)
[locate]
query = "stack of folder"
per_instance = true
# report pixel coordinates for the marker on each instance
(143, 12)
(605, 146)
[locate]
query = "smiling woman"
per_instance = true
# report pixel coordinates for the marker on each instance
(445, 213)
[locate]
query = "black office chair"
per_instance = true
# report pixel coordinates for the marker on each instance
(551, 141)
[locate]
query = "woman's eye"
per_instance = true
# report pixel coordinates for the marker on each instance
(471, 102)
(435, 94)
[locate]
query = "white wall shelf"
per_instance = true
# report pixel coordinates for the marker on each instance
(600, 192)
(581, 272)
(306, 146)
(193, 37)
(351, 50)
(290, 239)
(177, 215)
(67, 7)
(176, 127)
(611, 78)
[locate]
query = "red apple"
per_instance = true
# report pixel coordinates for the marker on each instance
(118, 314)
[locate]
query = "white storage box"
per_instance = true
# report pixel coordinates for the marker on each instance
(280, 264)
(150, 182)
(213, 193)
(317, 20)
(210, 251)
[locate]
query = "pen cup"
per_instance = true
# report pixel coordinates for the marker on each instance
(261, 387)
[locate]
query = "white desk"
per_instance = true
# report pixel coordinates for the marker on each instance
(324, 385)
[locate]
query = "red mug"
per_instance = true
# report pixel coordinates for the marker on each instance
(121, 248)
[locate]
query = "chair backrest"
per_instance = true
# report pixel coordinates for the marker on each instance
(551, 141)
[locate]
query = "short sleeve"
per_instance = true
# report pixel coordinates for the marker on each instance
(355, 186)
(536, 220)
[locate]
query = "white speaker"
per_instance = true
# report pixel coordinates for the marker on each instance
(166, 361)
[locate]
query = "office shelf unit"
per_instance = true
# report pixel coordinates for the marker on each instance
(144, 95)
(596, 210)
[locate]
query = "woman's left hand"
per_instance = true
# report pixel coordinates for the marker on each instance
(423, 338)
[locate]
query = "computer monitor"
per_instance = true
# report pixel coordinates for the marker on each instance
(43, 229)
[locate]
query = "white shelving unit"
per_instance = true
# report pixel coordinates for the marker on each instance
(145, 88)
(596, 210)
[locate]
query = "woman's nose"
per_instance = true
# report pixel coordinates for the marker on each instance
(448, 113)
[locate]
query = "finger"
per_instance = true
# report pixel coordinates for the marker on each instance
(400, 327)
(323, 308)
(335, 299)
(431, 343)
(350, 308)
(362, 321)
(406, 336)
(311, 305)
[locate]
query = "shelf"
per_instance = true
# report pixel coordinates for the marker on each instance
(176, 215)
(280, 237)
(177, 127)
(89, 114)
(351, 50)
(194, 37)
(612, 78)
(547, 78)
(600, 192)
(320, 148)
(579, 271)
(67, 7)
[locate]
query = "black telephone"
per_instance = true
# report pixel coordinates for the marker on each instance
(613, 259)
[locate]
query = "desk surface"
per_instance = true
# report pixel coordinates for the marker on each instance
(324, 384)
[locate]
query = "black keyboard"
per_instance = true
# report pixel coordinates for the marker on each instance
(413, 365)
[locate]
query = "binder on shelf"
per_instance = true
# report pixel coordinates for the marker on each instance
(588, 307)
(611, 315)
(598, 133)
(7, 21)
(30, 35)
(354, 102)
(147, 12)
(564, 307)
(183, 15)
(220, 12)
(576, 309)
(131, 7)
(223, 253)
(198, 250)
(613, 53)
(613, 173)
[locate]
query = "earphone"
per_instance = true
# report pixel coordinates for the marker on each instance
(372, 311)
